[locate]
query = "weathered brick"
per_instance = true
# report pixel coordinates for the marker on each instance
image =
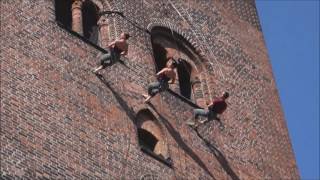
(60, 121)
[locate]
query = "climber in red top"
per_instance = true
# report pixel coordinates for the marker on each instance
(218, 106)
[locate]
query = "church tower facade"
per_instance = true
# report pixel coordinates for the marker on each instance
(61, 121)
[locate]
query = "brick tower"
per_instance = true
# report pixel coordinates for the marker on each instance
(61, 121)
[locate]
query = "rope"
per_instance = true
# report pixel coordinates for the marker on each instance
(207, 47)
(136, 25)
(128, 126)
(146, 40)
(169, 152)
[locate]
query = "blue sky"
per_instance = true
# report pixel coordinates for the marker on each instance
(291, 31)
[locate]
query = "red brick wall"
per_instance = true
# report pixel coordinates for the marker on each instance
(60, 121)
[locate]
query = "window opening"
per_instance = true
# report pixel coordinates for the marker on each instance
(151, 138)
(160, 55)
(146, 139)
(90, 20)
(184, 76)
(167, 42)
(63, 12)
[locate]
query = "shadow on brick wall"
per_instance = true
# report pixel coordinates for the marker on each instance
(124, 105)
(175, 134)
(131, 114)
(220, 157)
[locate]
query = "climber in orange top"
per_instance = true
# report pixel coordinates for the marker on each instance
(218, 106)
(117, 48)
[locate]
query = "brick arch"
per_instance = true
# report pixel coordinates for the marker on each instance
(146, 121)
(98, 3)
(151, 114)
(143, 107)
(183, 34)
(196, 64)
(101, 4)
(197, 61)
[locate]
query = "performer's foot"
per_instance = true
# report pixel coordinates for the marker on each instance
(147, 100)
(201, 122)
(95, 71)
(193, 126)
(191, 123)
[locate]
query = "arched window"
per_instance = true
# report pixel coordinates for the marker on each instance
(150, 136)
(63, 12)
(89, 21)
(168, 43)
(80, 17)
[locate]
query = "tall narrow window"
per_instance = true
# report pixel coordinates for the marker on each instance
(90, 20)
(184, 75)
(160, 55)
(63, 12)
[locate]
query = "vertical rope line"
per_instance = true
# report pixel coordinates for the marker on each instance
(189, 17)
(166, 136)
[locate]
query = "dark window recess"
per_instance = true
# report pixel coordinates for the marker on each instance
(184, 73)
(146, 139)
(160, 55)
(89, 20)
(162, 39)
(63, 12)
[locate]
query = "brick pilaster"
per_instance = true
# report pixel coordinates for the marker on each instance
(77, 16)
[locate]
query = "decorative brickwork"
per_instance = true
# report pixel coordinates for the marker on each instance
(60, 121)
(245, 10)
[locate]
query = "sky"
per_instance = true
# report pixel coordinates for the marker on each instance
(291, 32)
